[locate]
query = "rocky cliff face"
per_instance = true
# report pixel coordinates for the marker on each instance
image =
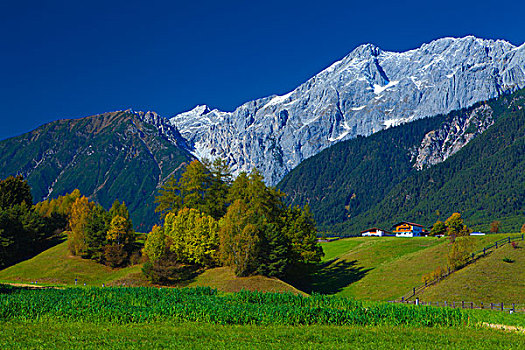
(366, 91)
(438, 145)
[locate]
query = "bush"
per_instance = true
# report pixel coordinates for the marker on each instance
(167, 271)
(115, 255)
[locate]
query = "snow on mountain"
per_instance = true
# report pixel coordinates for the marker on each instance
(366, 91)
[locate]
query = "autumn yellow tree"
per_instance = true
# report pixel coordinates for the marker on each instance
(120, 231)
(155, 245)
(240, 239)
(80, 211)
(456, 227)
(194, 237)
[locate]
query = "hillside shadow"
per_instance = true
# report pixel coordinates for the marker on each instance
(330, 277)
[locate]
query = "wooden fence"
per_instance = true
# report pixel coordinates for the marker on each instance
(473, 257)
(464, 305)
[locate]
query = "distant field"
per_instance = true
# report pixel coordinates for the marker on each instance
(367, 268)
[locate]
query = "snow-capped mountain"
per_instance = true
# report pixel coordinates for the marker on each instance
(368, 90)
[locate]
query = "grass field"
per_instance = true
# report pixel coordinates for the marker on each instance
(366, 268)
(151, 318)
(56, 266)
(381, 268)
(489, 280)
(85, 335)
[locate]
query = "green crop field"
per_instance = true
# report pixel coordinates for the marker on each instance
(203, 318)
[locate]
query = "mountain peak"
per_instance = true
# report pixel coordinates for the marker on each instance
(365, 92)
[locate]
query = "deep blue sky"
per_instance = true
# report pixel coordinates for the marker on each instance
(63, 59)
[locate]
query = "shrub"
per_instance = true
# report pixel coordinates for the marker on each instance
(115, 255)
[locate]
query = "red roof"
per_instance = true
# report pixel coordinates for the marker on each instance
(374, 229)
(410, 223)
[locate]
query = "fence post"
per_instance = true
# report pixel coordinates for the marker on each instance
(483, 251)
(491, 306)
(482, 305)
(509, 238)
(501, 306)
(414, 291)
(513, 308)
(496, 244)
(417, 301)
(445, 304)
(425, 284)
(402, 299)
(471, 305)
(463, 304)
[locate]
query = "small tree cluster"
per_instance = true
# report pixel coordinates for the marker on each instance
(459, 252)
(210, 220)
(452, 227)
(97, 234)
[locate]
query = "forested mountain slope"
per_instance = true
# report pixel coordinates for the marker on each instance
(485, 180)
(472, 161)
(119, 155)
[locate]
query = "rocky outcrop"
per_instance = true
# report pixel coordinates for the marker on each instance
(438, 145)
(367, 91)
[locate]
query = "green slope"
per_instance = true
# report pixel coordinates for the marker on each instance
(107, 157)
(56, 266)
(380, 268)
(489, 280)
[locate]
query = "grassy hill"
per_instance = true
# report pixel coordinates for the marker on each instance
(386, 268)
(489, 280)
(56, 266)
(367, 268)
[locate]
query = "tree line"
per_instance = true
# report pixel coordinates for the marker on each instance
(105, 236)
(23, 230)
(211, 220)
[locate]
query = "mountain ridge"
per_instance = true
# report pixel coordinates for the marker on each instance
(366, 91)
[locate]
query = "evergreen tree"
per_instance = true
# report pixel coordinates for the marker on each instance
(96, 228)
(274, 252)
(169, 198)
(13, 191)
